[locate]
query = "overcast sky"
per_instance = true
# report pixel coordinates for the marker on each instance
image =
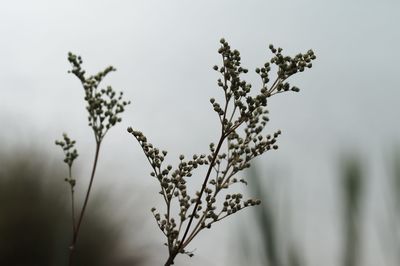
(164, 52)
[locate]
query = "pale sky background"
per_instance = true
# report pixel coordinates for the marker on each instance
(164, 52)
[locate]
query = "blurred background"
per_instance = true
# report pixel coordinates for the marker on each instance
(330, 193)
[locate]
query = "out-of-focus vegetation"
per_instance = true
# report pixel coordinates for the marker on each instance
(389, 230)
(35, 219)
(352, 186)
(278, 246)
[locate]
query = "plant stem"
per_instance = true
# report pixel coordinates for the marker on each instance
(170, 260)
(82, 213)
(72, 201)
(73, 209)
(172, 255)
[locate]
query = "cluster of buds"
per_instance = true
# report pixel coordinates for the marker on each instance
(103, 105)
(67, 145)
(243, 117)
(287, 66)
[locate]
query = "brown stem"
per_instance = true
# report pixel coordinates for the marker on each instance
(72, 201)
(170, 260)
(173, 254)
(182, 243)
(73, 210)
(76, 231)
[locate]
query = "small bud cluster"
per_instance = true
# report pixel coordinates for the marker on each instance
(287, 66)
(67, 145)
(234, 203)
(243, 117)
(103, 105)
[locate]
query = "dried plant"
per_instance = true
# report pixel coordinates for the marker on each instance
(104, 107)
(243, 117)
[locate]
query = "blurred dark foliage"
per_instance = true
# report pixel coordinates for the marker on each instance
(35, 218)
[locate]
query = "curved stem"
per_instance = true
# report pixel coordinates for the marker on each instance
(82, 213)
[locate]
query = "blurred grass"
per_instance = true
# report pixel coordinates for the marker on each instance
(35, 218)
(389, 228)
(352, 185)
(266, 220)
(277, 245)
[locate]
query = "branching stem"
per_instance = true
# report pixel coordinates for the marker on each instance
(181, 245)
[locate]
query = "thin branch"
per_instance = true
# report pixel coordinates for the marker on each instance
(82, 213)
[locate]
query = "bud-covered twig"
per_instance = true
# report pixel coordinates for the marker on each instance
(243, 117)
(104, 107)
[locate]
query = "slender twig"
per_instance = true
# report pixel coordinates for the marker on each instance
(103, 107)
(72, 199)
(173, 254)
(181, 245)
(82, 213)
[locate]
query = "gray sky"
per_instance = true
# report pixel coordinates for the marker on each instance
(164, 52)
